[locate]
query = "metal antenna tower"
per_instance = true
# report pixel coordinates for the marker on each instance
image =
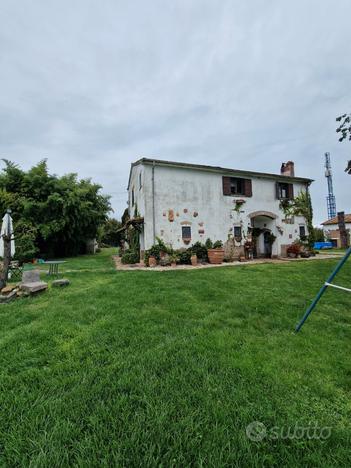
(331, 202)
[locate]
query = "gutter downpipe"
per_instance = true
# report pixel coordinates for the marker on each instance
(153, 203)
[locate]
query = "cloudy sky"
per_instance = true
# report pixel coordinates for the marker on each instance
(93, 85)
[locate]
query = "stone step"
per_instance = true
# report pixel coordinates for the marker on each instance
(34, 287)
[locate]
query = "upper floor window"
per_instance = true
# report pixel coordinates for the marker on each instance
(237, 186)
(285, 191)
(140, 181)
(133, 197)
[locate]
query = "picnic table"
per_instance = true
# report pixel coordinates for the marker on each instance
(53, 266)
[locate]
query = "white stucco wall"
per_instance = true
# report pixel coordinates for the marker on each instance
(333, 227)
(196, 199)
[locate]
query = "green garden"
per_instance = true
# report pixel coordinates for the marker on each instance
(169, 368)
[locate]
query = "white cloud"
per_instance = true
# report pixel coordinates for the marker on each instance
(93, 86)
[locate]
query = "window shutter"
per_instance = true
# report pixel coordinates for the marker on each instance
(226, 185)
(277, 190)
(248, 188)
(291, 191)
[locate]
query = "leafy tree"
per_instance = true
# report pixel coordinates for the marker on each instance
(345, 130)
(109, 232)
(319, 235)
(344, 126)
(53, 216)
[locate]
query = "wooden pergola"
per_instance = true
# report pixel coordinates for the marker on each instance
(136, 223)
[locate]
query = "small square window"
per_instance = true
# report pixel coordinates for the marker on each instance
(186, 232)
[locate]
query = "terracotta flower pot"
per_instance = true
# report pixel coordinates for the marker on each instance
(152, 262)
(193, 260)
(215, 256)
(173, 264)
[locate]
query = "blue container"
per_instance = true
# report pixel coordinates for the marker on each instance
(323, 245)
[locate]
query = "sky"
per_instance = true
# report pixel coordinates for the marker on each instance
(95, 85)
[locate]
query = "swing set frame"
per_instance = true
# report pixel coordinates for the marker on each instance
(326, 285)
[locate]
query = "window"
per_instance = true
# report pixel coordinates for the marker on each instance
(132, 196)
(237, 186)
(140, 182)
(237, 232)
(186, 232)
(302, 232)
(285, 191)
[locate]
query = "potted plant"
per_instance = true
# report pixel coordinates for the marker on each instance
(173, 259)
(193, 259)
(216, 253)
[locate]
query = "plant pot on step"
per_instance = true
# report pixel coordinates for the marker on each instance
(152, 261)
(193, 259)
(173, 264)
(215, 256)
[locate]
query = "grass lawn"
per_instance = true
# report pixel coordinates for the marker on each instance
(168, 368)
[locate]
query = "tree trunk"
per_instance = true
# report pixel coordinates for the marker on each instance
(6, 263)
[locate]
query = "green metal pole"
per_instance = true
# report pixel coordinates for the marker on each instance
(323, 289)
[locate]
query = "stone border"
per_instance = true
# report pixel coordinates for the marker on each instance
(140, 267)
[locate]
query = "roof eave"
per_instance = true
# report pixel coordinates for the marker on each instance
(218, 169)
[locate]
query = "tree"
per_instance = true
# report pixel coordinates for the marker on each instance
(53, 216)
(109, 232)
(345, 130)
(319, 235)
(344, 127)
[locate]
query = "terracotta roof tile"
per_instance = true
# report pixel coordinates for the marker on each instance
(335, 220)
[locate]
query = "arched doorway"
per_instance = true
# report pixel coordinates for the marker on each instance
(263, 231)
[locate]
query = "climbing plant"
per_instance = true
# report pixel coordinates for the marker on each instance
(301, 205)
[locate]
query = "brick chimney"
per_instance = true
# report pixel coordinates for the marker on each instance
(288, 169)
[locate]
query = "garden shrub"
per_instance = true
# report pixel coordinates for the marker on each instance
(218, 244)
(200, 250)
(185, 256)
(294, 249)
(130, 257)
(209, 244)
(156, 250)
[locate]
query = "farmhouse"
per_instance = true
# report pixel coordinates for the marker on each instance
(332, 231)
(184, 203)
